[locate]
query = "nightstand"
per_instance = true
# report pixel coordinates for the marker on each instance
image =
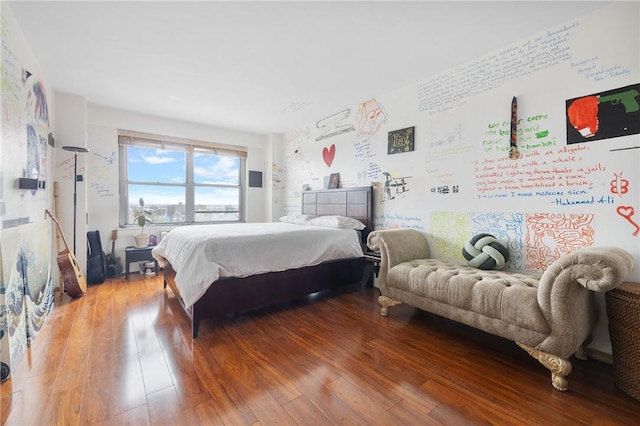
(135, 254)
(371, 267)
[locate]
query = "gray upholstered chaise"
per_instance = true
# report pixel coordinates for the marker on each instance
(550, 316)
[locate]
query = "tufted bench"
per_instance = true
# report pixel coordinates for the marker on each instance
(550, 315)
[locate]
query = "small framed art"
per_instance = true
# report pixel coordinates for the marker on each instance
(334, 180)
(401, 141)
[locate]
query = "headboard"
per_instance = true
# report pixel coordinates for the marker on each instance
(350, 202)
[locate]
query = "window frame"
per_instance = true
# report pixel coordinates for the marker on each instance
(190, 148)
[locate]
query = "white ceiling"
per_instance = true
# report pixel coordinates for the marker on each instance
(267, 67)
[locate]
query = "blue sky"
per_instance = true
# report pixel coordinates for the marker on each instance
(168, 166)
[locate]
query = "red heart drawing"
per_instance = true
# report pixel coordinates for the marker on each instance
(626, 211)
(328, 154)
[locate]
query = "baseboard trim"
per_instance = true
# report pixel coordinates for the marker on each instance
(600, 356)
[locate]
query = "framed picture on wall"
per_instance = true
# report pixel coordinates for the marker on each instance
(401, 140)
(334, 180)
(603, 115)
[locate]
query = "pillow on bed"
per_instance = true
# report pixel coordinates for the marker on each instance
(297, 219)
(342, 222)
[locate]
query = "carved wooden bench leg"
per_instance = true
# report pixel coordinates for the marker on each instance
(560, 368)
(386, 303)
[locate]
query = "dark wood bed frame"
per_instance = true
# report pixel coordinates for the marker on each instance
(231, 295)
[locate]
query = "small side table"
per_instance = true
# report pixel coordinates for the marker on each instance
(135, 254)
(623, 304)
(371, 267)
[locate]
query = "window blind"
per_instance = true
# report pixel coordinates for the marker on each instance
(126, 137)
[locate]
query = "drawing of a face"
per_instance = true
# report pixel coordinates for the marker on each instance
(583, 115)
(33, 155)
(370, 117)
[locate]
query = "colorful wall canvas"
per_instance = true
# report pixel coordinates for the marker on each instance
(604, 115)
(14, 304)
(25, 285)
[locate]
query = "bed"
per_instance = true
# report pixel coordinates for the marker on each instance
(228, 293)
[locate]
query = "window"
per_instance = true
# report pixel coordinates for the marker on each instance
(180, 181)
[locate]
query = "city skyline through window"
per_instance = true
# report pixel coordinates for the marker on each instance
(180, 183)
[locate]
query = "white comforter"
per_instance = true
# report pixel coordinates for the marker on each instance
(200, 254)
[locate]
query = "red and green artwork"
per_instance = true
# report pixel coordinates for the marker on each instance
(605, 115)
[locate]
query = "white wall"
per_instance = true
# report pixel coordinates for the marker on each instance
(21, 108)
(72, 131)
(256, 212)
(21, 73)
(274, 180)
(458, 180)
(26, 235)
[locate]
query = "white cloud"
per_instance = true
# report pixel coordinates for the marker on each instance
(224, 167)
(158, 159)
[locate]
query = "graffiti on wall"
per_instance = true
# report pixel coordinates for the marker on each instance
(394, 186)
(449, 90)
(542, 205)
(334, 125)
(507, 228)
(534, 240)
(37, 130)
(566, 175)
(445, 189)
(370, 117)
(448, 232)
(398, 220)
(328, 154)
(550, 235)
(620, 187)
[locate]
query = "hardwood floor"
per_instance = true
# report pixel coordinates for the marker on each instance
(122, 354)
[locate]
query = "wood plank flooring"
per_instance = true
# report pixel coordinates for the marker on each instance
(122, 354)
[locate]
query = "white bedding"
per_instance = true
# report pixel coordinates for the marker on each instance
(200, 254)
